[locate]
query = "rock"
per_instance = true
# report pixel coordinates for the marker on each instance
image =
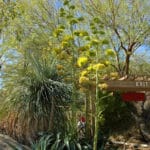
(7, 143)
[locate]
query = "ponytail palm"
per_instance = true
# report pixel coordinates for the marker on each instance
(36, 99)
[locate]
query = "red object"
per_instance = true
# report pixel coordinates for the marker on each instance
(82, 119)
(132, 96)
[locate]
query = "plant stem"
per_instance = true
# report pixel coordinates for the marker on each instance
(96, 101)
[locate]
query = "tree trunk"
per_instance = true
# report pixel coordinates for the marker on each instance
(127, 64)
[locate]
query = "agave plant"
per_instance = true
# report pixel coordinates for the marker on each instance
(36, 99)
(60, 142)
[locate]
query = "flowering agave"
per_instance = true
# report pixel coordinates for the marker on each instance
(83, 79)
(110, 52)
(98, 66)
(82, 61)
(103, 86)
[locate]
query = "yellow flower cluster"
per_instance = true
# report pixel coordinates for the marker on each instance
(90, 67)
(82, 61)
(57, 32)
(103, 86)
(110, 52)
(114, 74)
(83, 79)
(84, 73)
(98, 66)
(95, 42)
(67, 38)
(64, 44)
(57, 50)
(107, 63)
(60, 67)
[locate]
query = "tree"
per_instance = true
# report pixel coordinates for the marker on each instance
(127, 25)
(28, 51)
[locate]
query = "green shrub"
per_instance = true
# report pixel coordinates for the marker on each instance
(116, 116)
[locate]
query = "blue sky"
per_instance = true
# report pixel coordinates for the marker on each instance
(58, 3)
(143, 49)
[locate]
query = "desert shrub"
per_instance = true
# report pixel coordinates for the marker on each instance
(116, 115)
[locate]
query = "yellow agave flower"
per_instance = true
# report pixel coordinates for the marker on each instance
(68, 38)
(84, 73)
(83, 79)
(60, 67)
(103, 86)
(107, 62)
(98, 66)
(57, 32)
(90, 67)
(95, 42)
(57, 50)
(64, 44)
(83, 33)
(110, 52)
(114, 74)
(82, 61)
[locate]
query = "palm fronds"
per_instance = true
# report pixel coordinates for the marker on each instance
(37, 98)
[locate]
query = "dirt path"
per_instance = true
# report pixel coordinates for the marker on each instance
(128, 146)
(7, 143)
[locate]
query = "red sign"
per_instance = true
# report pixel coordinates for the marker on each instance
(132, 96)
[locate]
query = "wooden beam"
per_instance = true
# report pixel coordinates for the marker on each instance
(116, 85)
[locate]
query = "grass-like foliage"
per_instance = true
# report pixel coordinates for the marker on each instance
(60, 142)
